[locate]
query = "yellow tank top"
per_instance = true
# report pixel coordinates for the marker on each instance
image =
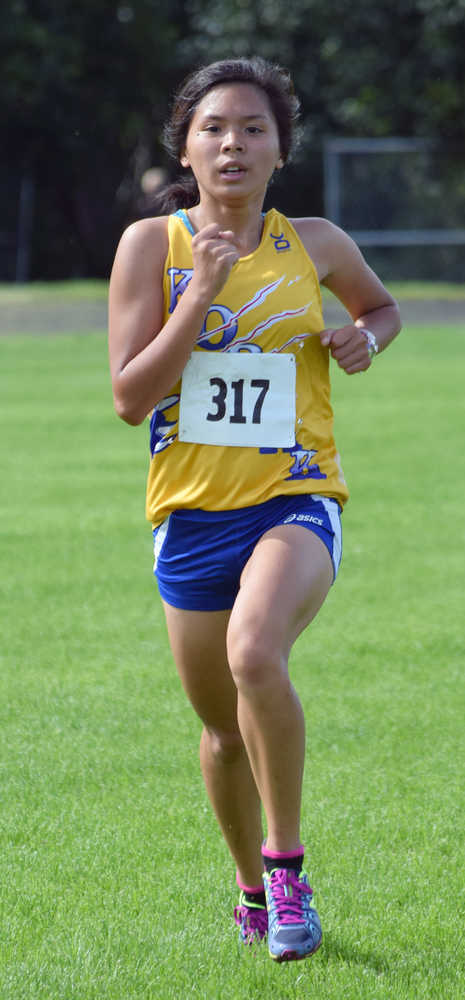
(271, 303)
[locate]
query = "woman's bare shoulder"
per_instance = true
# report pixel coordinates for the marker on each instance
(318, 230)
(322, 240)
(140, 254)
(309, 222)
(150, 233)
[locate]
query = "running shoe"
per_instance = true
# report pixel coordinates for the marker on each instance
(294, 929)
(252, 920)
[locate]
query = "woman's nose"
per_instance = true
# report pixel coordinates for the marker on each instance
(233, 140)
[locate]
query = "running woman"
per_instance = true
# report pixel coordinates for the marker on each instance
(216, 331)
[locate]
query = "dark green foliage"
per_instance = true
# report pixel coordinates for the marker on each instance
(86, 88)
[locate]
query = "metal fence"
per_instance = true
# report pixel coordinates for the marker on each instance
(392, 179)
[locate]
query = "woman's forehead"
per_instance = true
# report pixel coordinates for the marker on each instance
(242, 99)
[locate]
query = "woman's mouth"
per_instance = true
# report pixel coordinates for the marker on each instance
(232, 172)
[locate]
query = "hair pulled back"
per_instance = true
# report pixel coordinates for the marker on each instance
(274, 80)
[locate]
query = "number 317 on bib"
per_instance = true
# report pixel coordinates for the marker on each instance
(238, 399)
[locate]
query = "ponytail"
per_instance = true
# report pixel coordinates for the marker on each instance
(182, 193)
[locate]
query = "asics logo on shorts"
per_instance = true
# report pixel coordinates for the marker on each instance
(304, 517)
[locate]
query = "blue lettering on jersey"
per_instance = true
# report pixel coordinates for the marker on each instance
(179, 280)
(280, 242)
(160, 426)
(301, 467)
(221, 337)
(227, 327)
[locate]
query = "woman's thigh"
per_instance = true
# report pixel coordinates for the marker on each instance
(198, 643)
(283, 585)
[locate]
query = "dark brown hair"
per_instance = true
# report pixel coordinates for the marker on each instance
(272, 79)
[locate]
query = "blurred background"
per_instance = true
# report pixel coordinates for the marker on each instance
(86, 88)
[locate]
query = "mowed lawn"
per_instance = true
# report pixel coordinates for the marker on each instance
(115, 884)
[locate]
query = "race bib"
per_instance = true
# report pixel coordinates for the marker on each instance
(238, 399)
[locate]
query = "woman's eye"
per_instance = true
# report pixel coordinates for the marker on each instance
(251, 129)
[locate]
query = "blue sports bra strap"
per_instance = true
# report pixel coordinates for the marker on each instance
(182, 214)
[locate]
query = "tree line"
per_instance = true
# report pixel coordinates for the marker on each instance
(86, 88)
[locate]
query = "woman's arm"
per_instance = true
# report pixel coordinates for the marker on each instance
(146, 357)
(342, 268)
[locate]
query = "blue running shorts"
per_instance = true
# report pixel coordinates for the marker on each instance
(200, 554)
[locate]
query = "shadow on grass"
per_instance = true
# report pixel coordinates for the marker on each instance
(333, 948)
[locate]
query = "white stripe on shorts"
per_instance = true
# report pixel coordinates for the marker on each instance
(159, 539)
(333, 511)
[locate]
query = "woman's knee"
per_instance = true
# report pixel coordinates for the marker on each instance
(254, 660)
(225, 747)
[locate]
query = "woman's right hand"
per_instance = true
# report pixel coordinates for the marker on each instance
(214, 255)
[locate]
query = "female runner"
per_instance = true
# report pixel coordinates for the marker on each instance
(216, 330)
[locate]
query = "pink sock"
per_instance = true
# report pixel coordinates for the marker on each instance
(251, 889)
(278, 855)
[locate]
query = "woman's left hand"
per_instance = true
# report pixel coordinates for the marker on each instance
(349, 347)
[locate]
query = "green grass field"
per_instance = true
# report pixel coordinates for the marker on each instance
(115, 884)
(97, 289)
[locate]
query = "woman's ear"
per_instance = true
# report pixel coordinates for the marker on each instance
(184, 160)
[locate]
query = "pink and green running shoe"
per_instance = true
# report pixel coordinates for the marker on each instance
(252, 920)
(294, 929)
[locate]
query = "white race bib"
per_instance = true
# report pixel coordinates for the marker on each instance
(239, 398)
